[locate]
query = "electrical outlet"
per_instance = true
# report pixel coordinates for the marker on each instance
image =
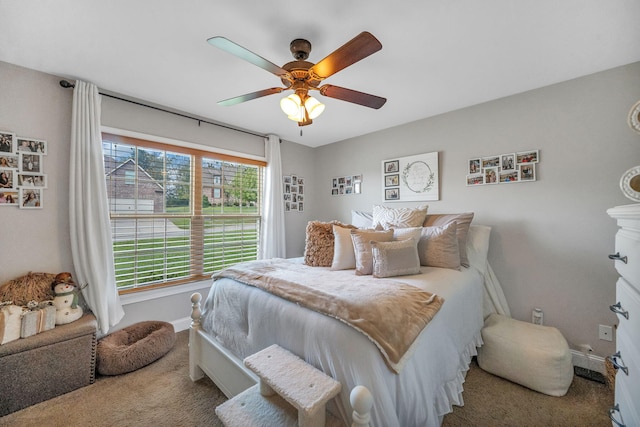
(605, 332)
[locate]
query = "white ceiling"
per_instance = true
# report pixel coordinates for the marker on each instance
(437, 55)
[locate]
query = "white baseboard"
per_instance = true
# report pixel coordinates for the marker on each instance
(588, 361)
(181, 324)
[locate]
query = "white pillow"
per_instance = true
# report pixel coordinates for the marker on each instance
(385, 218)
(397, 258)
(344, 257)
(362, 219)
(478, 246)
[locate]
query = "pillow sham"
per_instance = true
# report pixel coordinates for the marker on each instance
(464, 222)
(385, 218)
(438, 247)
(344, 257)
(407, 233)
(362, 219)
(396, 258)
(362, 247)
(319, 243)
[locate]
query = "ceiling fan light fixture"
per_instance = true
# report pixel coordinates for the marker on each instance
(314, 107)
(290, 105)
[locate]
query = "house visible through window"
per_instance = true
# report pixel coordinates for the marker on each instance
(178, 214)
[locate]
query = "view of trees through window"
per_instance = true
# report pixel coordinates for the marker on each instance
(178, 214)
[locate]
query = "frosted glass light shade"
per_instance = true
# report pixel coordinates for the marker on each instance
(291, 105)
(314, 107)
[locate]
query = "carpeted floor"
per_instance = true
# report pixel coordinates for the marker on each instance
(161, 394)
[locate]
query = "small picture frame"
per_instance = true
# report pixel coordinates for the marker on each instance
(31, 145)
(527, 172)
(532, 156)
(8, 160)
(357, 187)
(32, 180)
(392, 180)
(9, 197)
(508, 162)
(7, 142)
(509, 176)
(30, 162)
(392, 194)
(30, 198)
(475, 179)
(357, 178)
(8, 179)
(490, 162)
(475, 166)
(491, 175)
(392, 166)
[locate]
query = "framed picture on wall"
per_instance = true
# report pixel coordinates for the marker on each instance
(392, 166)
(527, 172)
(528, 156)
(8, 179)
(9, 197)
(30, 162)
(392, 194)
(392, 180)
(30, 145)
(31, 198)
(417, 177)
(475, 166)
(508, 162)
(8, 160)
(7, 142)
(32, 180)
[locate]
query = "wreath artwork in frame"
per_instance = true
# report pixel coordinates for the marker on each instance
(411, 178)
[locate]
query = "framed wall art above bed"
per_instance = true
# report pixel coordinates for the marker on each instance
(411, 178)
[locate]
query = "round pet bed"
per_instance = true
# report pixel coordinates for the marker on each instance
(133, 347)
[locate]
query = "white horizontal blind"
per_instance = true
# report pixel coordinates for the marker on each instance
(178, 215)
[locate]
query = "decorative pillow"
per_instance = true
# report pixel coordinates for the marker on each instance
(407, 233)
(362, 246)
(344, 257)
(362, 219)
(31, 286)
(397, 258)
(464, 222)
(438, 247)
(478, 246)
(319, 242)
(385, 218)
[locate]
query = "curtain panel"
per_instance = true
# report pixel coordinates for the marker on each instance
(272, 241)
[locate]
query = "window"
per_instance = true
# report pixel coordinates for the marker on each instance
(178, 214)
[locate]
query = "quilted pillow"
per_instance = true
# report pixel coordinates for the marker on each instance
(385, 218)
(319, 242)
(438, 247)
(362, 246)
(464, 222)
(397, 258)
(344, 257)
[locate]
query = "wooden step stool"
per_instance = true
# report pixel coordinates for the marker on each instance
(290, 393)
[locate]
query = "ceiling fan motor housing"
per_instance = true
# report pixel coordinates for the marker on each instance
(300, 49)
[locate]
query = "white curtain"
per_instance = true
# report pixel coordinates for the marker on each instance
(272, 241)
(91, 244)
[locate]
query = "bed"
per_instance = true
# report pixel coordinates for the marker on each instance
(237, 320)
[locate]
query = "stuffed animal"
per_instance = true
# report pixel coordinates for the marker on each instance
(66, 299)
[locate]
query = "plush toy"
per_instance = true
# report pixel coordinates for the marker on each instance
(66, 299)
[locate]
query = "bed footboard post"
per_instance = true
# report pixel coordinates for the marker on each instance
(361, 401)
(195, 373)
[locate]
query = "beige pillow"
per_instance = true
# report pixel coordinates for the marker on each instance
(385, 218)
(362, 245)
(464, 222)
(438, 247)
(344, 257)
(397, 258)
(407, 233)
(319, 242)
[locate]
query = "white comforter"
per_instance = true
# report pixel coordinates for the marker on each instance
(246, 319)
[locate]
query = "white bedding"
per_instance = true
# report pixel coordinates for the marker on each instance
(245, 320)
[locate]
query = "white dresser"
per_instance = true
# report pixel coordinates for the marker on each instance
(626, 410)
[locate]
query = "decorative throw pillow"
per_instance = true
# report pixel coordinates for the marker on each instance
(407, 233)
(397, 258)
(344, 257)
(464, 222)
(362, 246)
(438, 247)
(319, 242)
(362, 219)
(385, 218)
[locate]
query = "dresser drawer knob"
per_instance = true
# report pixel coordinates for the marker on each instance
(617, 308)
(612, 413)
(617, 257)
(614, 360)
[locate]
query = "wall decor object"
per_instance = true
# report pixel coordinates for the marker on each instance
(343, 185)
(22, 180)
(630, 183)
(293, 193)
(506, 168)
(634, 117)
(417, 178)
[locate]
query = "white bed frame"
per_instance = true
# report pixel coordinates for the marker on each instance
(210, 358)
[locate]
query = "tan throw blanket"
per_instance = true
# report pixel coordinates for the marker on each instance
(389, 313)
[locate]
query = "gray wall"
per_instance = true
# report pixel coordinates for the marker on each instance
(550, 238)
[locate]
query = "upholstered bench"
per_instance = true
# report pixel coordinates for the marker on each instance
(537, 357)
(47, 364)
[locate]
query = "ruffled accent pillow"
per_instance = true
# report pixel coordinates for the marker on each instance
(438, 247)
(464, 222)
(397, 258)
(385, 218)
(362, 246)
(319, 243)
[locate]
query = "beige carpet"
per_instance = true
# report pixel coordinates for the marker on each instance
(162, 394)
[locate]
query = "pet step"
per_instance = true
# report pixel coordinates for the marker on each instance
(251, 409)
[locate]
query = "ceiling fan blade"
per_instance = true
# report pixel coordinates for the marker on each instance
(354, 96)
(249, 96)
(361, 46)
(242, 53)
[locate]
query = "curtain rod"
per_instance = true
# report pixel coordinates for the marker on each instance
(66, 84)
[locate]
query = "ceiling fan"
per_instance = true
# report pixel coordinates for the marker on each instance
(302, 76)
